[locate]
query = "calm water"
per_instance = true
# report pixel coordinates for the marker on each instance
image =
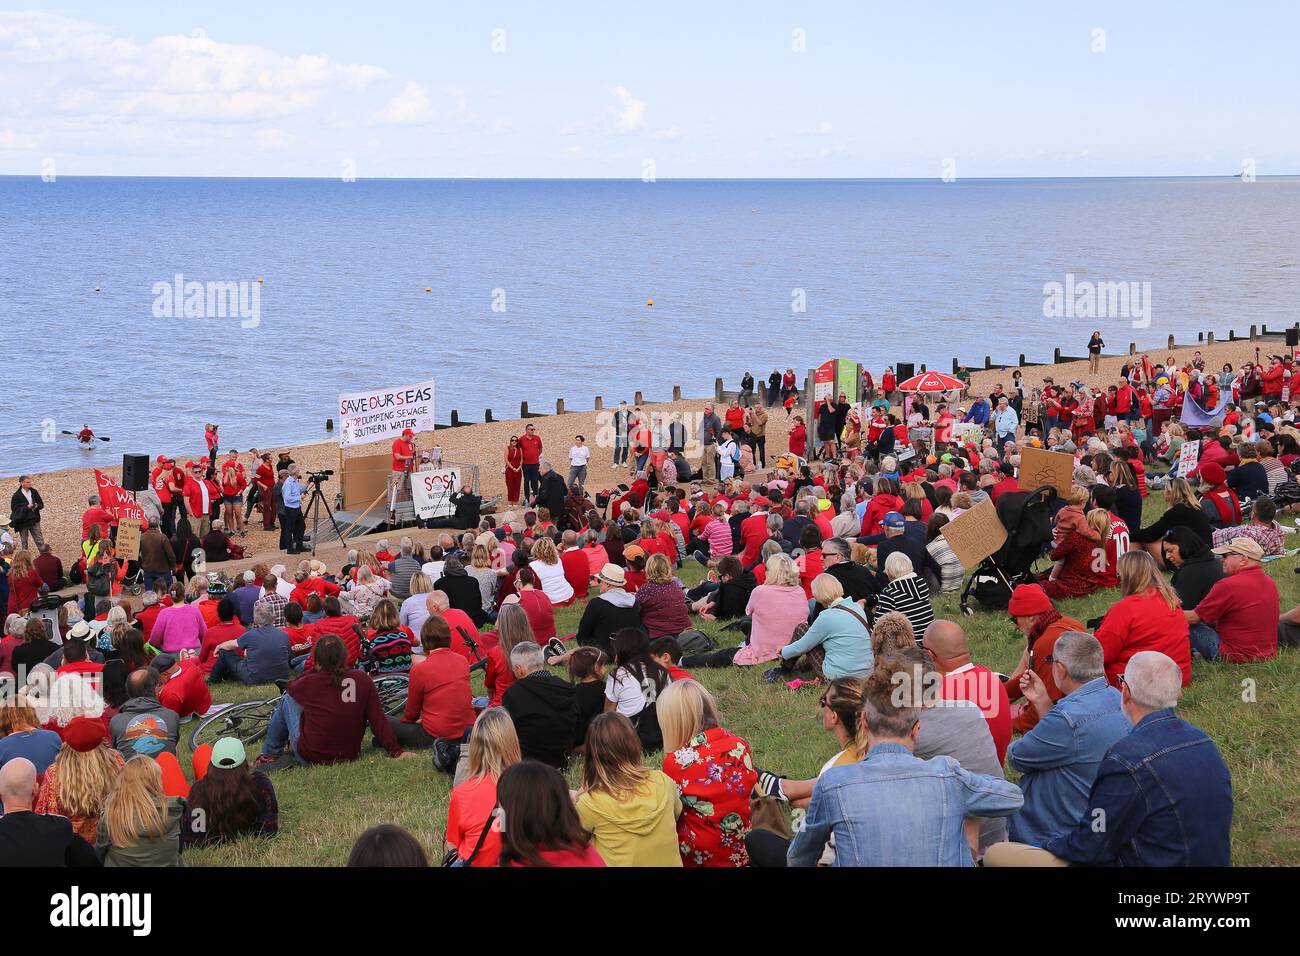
(891, 270)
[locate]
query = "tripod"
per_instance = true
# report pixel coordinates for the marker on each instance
(314, 504)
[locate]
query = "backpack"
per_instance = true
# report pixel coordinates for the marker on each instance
(695, 642)
(99, 581)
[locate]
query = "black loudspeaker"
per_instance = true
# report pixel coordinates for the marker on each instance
(135, 472)
(906, 370)
(1293, 337)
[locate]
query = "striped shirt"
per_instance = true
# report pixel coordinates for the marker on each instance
(1277, 473)
(718, 533)
(909, 596)
(951, 571)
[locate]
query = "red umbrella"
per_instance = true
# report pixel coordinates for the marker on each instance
(932, 382)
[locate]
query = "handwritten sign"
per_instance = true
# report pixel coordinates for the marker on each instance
(1040, 468)
(431, 492)
(384, 413)
(975, 534)
(128, 538)
(1188, 457)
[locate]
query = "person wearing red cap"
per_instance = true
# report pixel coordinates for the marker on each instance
(233, 481)
(87, 757)
(531, 443)
(1034, 616)
(161, 480)
(1218, 501)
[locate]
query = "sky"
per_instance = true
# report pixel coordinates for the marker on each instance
(671, 89)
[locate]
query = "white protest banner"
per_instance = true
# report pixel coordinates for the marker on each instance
(1188, 457)
(431, 492)
(383, 413)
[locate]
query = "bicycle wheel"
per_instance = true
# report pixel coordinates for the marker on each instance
(247, 721)
(392, 692)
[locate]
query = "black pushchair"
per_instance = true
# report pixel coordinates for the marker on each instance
(1027, 516)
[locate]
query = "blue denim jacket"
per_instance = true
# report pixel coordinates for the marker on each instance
(1059, 757)
(895, 809)
(1162, 797)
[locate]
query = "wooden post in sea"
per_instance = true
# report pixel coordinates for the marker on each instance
(956, 366)
(600, 403)
(1253, 334)
(1209, 338)
(487, 415)
(717, 390)
(1132, 348)
(455, 418)
(677, 392)
(523, 409)
(1171, 341)
(559, 406)
(1056, 357)
(988, 363)
(1022, 359)
(639, 399)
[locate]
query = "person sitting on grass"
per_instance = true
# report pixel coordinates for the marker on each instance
(78, 781)
(1162, 789)
(471, 812)
(893, 808)
(543, 707)
(387, 845)
(775, 609)
(1036, 617)
(229, 801)
(143, 725)
(906, 593)
(667, 652)
(541, 823)
(140, 825)
(30, 837)
(664, 609)
(613, 609)
(1262, 529)
(714, 774)
(728, 600)
(840, 713)
(1058, 758)
(512, 629)
(1148, 617)
(630, 809)
(386, 647)
(318, 723)
(258, 656)
(438, 697)
(1237, 620)
(836, 644)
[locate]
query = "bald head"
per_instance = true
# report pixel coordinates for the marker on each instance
(437, 602)
(946, 642)
(18, 784)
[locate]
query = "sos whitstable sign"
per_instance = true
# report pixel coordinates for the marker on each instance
(384, 413)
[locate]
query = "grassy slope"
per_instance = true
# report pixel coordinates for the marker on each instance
(323, 809)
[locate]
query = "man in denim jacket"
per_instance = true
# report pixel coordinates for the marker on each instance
(1059, 757)
(1162, 797)
(892, 808)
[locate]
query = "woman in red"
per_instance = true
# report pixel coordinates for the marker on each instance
(888, 383)
(1079, 552)
(1149, 617)
(714, 775)
(798, 437)
(264, 477)
(25, 583)
(541, 825)
(885, 500)
(514, 469)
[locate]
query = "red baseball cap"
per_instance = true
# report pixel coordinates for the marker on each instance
(84, 734)
(407, 433)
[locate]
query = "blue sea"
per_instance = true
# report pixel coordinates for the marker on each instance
(539, 289)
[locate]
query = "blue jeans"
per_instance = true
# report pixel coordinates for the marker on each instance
(285, 724)
(152, 577)
(230, 665)
(620, 452)
(1205, 641)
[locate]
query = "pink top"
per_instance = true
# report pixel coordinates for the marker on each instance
(776, 609)
(178, 628)
(597, 558)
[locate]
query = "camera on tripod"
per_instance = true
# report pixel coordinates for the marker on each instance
(317, 477)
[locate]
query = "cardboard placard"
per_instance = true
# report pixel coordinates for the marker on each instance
(1188, 457)
(128, 538)
(1040, 468)
(975, 534)
(431, 492)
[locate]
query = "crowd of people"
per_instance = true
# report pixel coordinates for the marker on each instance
(825, 565)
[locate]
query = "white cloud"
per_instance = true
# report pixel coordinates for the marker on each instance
(411, 107)
(821, 129)
(630, 113)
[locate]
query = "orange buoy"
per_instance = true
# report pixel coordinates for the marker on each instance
(649, 301)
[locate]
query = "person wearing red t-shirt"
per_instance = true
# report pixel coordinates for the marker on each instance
(1008, 482)
(96, 514)
(538, 607)
(888, 383)
(226, 629)
(233, 481)
(577, 569)
(531, 446)
(264, 479)
(145, 618)
(402, 465)
(343, 626)
(439, 701)
(161, 480)
(965, 680)
(1149, 617)
(753, 534)
(185, 689)
(1237, 620)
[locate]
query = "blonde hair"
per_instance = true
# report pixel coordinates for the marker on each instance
(827, 589)
(1138, 574)
(136, 806)
(479, 557)
(544, 551)
(17, 714)
(781, 571)
(493, 744)
(420, 583)
(1098, 520)
(1179, 492)
(685, 709)
(658, 570)
(1079, 496)
(85, 779)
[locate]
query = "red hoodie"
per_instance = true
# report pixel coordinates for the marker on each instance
(877, 508)
(342, 626)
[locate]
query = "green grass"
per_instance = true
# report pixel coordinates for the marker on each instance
(324, 809)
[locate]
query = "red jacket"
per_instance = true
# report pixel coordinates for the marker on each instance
(577, 571)
(877, 508)
(23, 591)
(96, 516)
(341, 626)
(305, 589)
(1274, 378)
